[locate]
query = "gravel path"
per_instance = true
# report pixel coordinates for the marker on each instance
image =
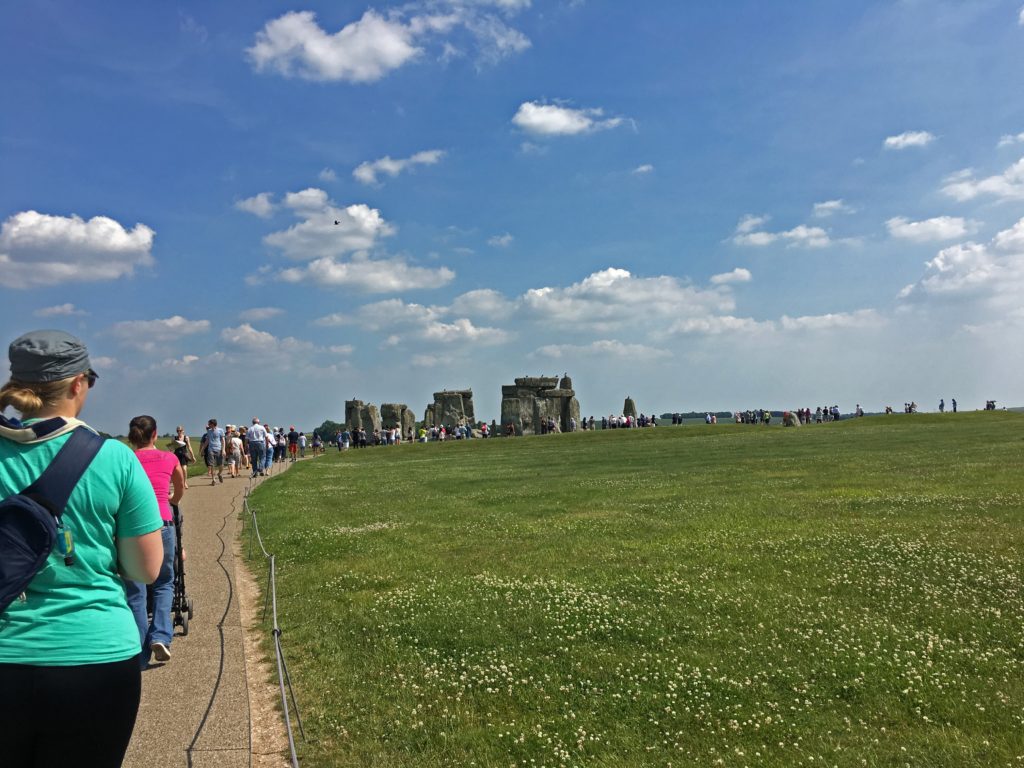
(211, 704)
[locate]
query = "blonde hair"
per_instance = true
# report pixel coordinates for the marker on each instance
(31, 397)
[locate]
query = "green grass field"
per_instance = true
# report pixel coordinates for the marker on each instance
(837, 595)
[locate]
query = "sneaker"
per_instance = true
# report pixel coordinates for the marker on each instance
(161, 652)
(221, 478)
(213, 482)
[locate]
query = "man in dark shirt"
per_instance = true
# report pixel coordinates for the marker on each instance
(293, 443)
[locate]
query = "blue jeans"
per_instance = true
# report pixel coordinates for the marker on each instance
(162, 627)
(257, 452)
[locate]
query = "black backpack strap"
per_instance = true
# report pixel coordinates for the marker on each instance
(53, 488)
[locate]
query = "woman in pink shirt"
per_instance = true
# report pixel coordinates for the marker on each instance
(164, 471)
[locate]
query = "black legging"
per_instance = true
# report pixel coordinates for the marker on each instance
(81, 715)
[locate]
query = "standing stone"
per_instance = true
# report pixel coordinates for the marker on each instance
(629, 408)
(512, 413)
(369, 419)
(451, 411)
(408, 423)
(353, 414)
(572, 411)
(391, 415)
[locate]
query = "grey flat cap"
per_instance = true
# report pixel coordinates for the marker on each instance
(47, 356)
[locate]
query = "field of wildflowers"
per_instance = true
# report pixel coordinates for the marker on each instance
(844, 594)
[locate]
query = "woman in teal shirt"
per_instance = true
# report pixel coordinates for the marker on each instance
(69, 672)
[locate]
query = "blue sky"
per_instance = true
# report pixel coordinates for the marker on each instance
(700, 205)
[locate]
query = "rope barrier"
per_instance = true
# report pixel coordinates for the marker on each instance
(284, 679)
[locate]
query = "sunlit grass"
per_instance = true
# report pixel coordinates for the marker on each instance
(846, 594)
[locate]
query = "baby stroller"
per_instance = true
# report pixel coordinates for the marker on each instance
(181, 605)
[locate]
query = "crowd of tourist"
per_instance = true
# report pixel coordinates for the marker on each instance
(241, 449)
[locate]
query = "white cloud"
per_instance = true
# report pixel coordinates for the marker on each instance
(294, 45)
(501, 241)
(496, 40)
(1009, 139)
(555, 120)
(150, 335)
(738, 275)
(938, 228)
(642, 169)
(186, 364)
(992, 274)
(830, 208)
(260, 205)
(715, 325)
(381, 315)
(259, 313)
(1009, 185)
(341, 349)
(861, 318)
(1011, 239)
(800, 236)
(326, 230)
(38, 249)
(960, 270)
(328, 174)
(370, 275)
(529, 148)
(363, 51)
(1020, 17)
(246, 337)
(601, 349)
(415, 321)
(909, 139)
(613, 299)
(189, 26)
(462, 330)
(368, 172)
(750, 222)
(485, 302)
(61, 310)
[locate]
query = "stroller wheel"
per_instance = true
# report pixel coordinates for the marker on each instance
(188, 604)
(184, 625)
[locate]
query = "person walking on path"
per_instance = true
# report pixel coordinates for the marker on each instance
(257, 444)
(163, 471)
(214, 451)
(233, 451)
(69, 671)
(293, 444)
(182, 447)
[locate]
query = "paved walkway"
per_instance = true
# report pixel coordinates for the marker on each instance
(210, 705)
